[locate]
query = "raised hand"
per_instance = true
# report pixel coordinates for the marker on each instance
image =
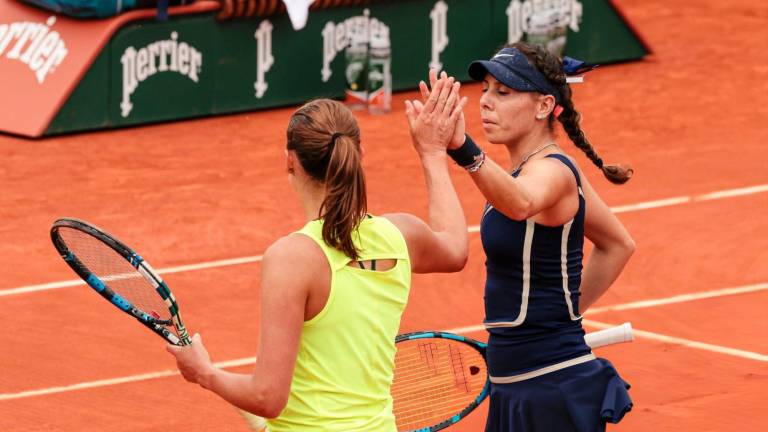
(433, 123)
(458, 135)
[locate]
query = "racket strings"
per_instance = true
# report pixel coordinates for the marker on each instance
(446, 405)
(115, 272)
(434, 380)
(427, 395)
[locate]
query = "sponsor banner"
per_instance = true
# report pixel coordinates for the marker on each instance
(44, 61)
(41, 60)
(604, 36)
(162, 70)
(193, 65)
(590, 30)
(267, 64)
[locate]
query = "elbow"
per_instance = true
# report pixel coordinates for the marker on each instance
(459, 256)
(626, 248)
(267, 403)
(620, 247)
(454, 253)
(522, 210)
(629, 246)
(459, 261)
(276, 404)
(273, 410)
(270, 408)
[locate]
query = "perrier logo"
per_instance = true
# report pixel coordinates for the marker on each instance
(167, 55)
(33, 44)
(357, 30)
(543, 22)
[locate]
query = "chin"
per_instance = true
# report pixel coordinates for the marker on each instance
(494, 138)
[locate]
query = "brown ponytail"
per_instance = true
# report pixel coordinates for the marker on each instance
(325, 137)
(552, 68)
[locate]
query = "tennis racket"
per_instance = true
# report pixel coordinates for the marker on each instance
(121, 276)
(441, 377)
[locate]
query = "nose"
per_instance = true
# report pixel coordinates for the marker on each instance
(485, 101)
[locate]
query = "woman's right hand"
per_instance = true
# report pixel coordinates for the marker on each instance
(434, 122)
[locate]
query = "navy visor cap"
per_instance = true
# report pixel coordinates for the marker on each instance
(511, 68)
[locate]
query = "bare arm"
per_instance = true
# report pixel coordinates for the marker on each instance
(442, 244)
(613, 248)
(283, 298)
(539, 186)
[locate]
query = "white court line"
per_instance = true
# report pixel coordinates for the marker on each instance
(680, 298)
(459, 330)
(653, 302)
(652, 204)
(472, 229)
(685, 342)
(115, 381)
(732, 193)
(652, 336)
(164, 271)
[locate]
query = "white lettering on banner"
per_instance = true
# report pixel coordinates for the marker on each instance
(160, 56)
(361, 29)
(439, 17)
(33, 44)
(264, 58)
(521, 16)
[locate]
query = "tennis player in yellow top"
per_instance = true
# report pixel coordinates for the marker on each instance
(333, 293)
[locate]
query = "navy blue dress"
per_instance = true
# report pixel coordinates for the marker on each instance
(544, 377)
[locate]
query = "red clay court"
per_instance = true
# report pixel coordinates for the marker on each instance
(202, 200)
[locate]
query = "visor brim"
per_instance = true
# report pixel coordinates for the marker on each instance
(479, 68)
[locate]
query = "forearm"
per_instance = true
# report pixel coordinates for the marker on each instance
(242, 391)
(603, 267)
(502, 190)
(446, 216)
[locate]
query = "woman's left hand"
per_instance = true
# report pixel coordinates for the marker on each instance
(460, 130)
(433, 123)
(193, 360)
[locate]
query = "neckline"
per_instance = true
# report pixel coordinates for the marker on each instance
(531, 154)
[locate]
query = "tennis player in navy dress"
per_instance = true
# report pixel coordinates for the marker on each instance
(544, 376)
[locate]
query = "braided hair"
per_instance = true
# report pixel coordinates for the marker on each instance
(552, 68)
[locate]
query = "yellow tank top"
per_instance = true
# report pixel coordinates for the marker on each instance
(345, 362)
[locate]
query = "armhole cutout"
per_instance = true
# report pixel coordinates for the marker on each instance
(377, 265)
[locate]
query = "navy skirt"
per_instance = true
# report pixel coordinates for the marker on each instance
(580, 398)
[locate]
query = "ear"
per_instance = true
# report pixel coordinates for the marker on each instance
(545, 106)
(362, 151)
(290, 161)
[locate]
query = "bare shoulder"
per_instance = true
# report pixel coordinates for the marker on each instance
(407, 223)
(553, 164)
(296, 249)
(548, 170)
(401, 218)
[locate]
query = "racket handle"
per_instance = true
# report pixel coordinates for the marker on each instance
(613, 335)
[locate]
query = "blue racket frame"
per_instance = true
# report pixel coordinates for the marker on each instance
(477, 345)
(136, 261)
